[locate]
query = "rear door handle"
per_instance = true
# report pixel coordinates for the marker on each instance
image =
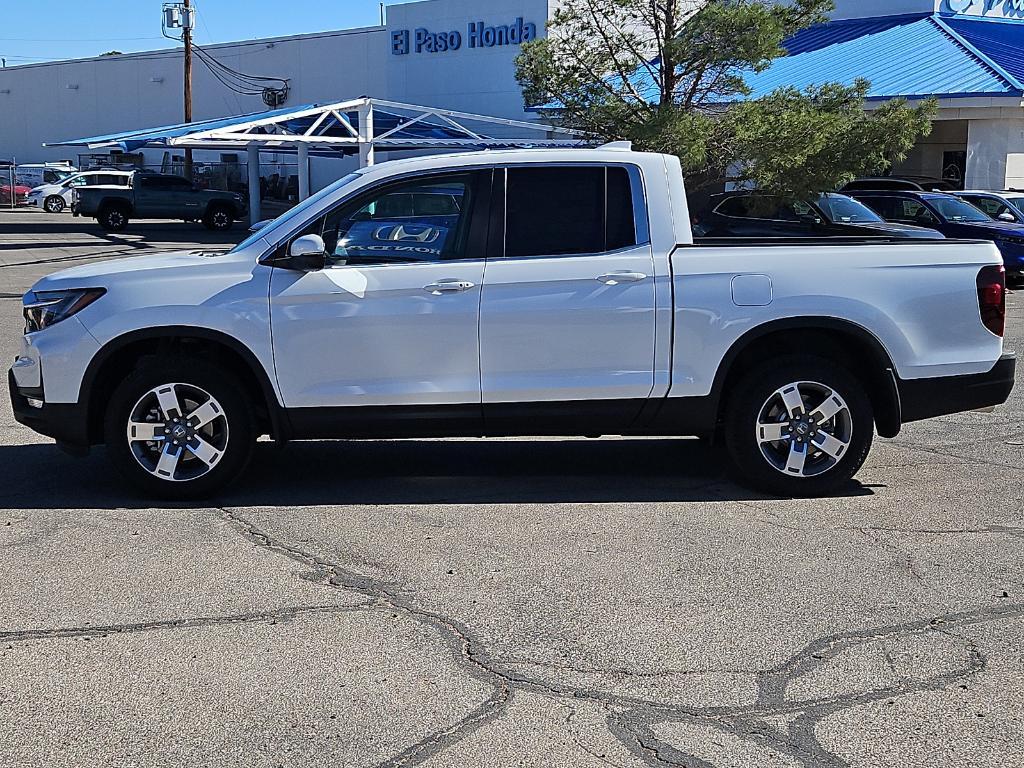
(448, 286)
(615, 278)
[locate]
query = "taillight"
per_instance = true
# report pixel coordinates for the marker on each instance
(992, 298)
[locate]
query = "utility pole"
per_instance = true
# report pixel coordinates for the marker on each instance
(187, 38)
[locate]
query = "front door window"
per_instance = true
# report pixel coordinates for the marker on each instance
(418, 221)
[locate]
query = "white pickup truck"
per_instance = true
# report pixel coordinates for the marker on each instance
(529, 292)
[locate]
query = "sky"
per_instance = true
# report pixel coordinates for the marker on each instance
(45, 30)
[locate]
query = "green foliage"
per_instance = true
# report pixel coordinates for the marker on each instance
(667, 75)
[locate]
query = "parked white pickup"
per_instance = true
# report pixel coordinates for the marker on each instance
(531, 292)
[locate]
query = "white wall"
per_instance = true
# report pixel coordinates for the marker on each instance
(926, 158)
(859, 9)
(479, 80)
(995, 154)
(990, 9)
(122, 93)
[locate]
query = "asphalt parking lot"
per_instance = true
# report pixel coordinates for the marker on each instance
(506, 603)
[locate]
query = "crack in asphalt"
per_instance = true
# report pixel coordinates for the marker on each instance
(622, 672)
(910, 563)
(632, 720)
(385, 597)
(633, 724)
(583, 747)
(282, 615)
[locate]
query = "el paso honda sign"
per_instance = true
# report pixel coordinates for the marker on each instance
(478, 35)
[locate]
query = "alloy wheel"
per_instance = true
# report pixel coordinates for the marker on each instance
(177, 432)
(804, 429)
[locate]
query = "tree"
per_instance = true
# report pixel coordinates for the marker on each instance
(669, 76)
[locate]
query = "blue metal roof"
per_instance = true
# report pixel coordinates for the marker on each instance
(912, 56)
(843, 30)
(1000, 40)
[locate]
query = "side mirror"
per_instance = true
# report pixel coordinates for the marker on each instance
(1007, 216)
(307, 254)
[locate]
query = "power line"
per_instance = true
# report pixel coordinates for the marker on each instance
(234, 73)
(273, 90)
(72, 39)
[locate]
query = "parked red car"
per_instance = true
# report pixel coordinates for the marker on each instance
(20, 194)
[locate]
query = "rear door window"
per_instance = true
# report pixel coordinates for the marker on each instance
(763, 207)
(564, 211)
(889, 208)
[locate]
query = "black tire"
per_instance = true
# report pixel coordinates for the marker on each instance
(770, 466)
(54, 204)
(219, 218)
(113, 218)
(232, 433)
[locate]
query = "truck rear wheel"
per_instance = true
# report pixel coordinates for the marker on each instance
(219, 218)
(113, 218)
(798, 426)
(180, 428)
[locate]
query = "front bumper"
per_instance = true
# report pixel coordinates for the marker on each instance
(67, 423)
(928, 398)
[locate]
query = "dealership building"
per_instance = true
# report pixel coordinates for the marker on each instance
(459, 55)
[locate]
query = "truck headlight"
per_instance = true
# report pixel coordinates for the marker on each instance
(44, 308)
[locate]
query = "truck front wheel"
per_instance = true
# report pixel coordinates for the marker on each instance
(798, 426)
(180, 428)
(54, 204)
(113, 218)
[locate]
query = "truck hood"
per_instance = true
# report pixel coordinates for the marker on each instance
(171, 267)
(992, 229)
(902, 230)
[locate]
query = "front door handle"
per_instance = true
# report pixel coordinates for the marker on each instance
(448, 286)
(615, 278)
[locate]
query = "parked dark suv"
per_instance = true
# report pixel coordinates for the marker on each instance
(953, 217)
(749, 214)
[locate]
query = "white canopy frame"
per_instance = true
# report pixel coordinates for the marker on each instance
(274, 133)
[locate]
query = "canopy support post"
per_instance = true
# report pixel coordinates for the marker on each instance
(253, 152)
(303, 153)
(366, 158)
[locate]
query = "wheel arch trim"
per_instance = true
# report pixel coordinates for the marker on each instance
(886, 392)
(275, 410)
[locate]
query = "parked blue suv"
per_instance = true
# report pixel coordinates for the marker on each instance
(952, 217)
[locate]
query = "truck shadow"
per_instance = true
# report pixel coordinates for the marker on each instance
(59, 229)
(406, 472)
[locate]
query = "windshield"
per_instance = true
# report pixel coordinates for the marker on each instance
(1016, 201)
(843, 209)
(295, 212)
(954, 209)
